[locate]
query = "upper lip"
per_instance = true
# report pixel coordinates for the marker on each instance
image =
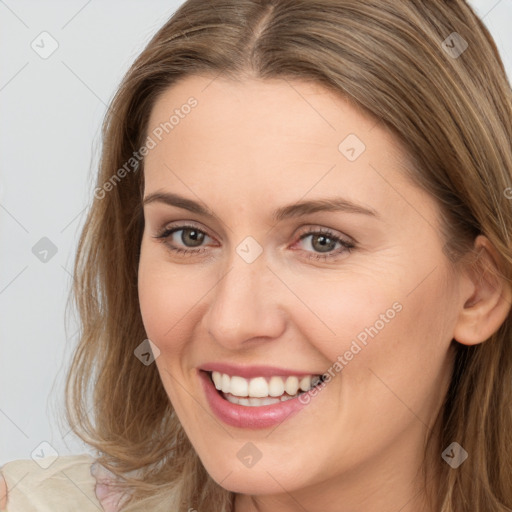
(252, 371)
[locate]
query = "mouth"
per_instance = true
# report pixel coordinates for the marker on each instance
(257, 396)
(262, 391)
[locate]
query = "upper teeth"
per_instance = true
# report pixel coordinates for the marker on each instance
(259, 387)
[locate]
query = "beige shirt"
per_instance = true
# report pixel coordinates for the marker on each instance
(66, 484)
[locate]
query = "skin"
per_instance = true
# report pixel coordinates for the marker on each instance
(246, 149)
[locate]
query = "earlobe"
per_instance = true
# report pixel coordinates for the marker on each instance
(490, 300)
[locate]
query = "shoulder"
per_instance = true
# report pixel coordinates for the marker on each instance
(53, 483)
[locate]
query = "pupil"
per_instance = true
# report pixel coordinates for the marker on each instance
(195, 236)
(324, 246)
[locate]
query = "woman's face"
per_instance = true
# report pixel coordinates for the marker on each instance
(309, 252)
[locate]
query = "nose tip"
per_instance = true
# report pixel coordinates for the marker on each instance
(245, 306)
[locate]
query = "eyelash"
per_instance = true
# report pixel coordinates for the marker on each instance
(346, 245)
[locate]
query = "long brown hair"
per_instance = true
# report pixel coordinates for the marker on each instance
(406, 64)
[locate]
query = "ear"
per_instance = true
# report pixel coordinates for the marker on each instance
(489, 300)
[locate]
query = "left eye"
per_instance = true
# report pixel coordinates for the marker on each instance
(190, 237)
(321, 242)
(326, 244)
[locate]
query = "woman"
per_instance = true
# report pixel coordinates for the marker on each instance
(295, 279)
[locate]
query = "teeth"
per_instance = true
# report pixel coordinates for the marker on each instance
(305, 383)
(315, 381)
(217, 380)
(226, 381)
(252, 402)
(292, 385)
(260, 387)
(276, 386)
(239, 386)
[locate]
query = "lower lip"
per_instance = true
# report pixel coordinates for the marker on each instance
(250, 417)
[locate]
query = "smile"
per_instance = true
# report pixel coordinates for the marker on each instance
(257, 401)
(260, 391)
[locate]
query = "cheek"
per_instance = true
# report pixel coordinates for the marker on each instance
(167, 299)
(404, 367)
(382, 333)
(168, 295)
(344, 313)
(390, 364)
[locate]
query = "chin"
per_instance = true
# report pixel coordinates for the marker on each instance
(265, 477)
(252, 482)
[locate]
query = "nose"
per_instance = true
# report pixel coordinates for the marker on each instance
(246, 305)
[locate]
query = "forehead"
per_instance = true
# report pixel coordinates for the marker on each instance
(255, 139)
(257, 110)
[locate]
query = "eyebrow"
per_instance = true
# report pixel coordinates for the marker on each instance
(330, 204)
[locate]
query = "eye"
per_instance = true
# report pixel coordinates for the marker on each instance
(325, 244)
(189, 236)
